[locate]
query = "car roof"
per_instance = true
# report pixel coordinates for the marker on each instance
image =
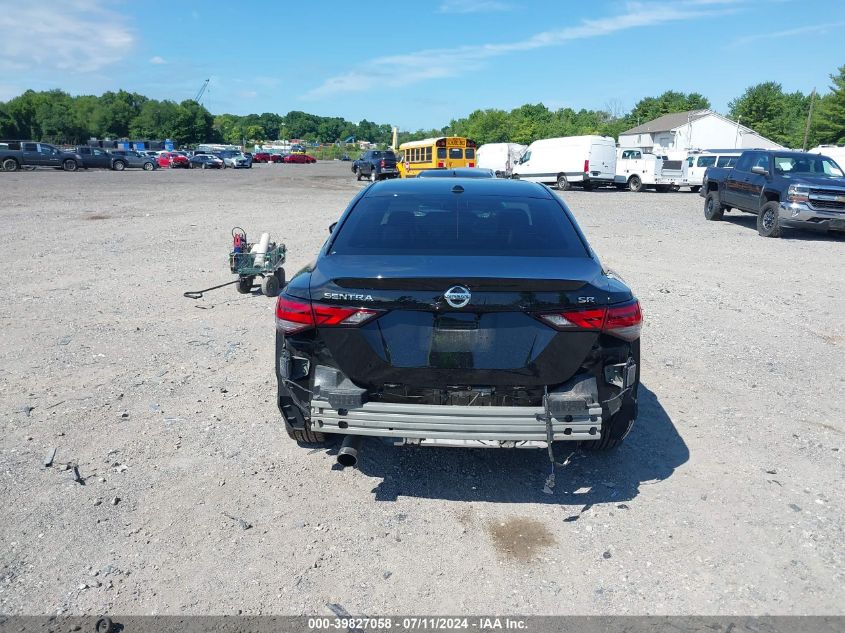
(458, 172)
(477, 186)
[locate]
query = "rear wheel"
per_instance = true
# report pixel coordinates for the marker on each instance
(148, 166)
(768, 220)
(306, 435)
(10, 164)
(713, 209)
(562, 183)
(635, 184)
(695, 188)
(119, 165)
(70, 165)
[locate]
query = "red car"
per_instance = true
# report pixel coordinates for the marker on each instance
(276, 158)
(173, 159)
(300, 158)
(261, 157)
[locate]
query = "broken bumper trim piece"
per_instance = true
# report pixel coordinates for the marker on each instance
(489, 425)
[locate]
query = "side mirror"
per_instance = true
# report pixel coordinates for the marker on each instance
(761, 171)
(332, 226)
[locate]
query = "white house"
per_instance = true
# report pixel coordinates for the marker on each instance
(678, 133)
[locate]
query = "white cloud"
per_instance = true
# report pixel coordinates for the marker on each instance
(473, 6)
(801, 30)
(73, 35)
(157, 60)
(401, 70)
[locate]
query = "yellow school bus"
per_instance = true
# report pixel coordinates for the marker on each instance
(446, 152)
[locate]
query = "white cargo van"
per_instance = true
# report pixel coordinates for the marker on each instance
(500, 157)
(583, 160)
(698, 162)
(836, 152)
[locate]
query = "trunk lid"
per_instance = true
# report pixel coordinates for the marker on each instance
(429, 337)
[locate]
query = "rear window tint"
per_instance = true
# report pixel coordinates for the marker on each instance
(458, 225)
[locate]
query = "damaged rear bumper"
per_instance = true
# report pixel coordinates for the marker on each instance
(441, 424)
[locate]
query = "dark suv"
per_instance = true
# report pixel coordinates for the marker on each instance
(376, 164)
(99, 158)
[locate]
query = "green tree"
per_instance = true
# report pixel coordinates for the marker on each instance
(767, 110)
(670, 101)
(830, 113)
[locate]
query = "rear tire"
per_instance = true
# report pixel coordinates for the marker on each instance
(119, 165)
(713, 209)
(148, 166)
(70, 165)
(306, 435)
(10, 164)
(768, 220)
(563, 183)
(635, 184)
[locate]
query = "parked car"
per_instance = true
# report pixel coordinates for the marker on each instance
(15, 155)
(782, 188)
(299, 158)
(98, 158)
(206, 161)
(457, 312)
(261, 157)
(277, 158)
(173, 159)
(136, 160)
(234, 159)
(458, 172)
(587, 161)
(376, 164)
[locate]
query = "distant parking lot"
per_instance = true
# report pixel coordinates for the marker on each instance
(726, 498)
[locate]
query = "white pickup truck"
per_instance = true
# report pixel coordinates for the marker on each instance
(637, 171)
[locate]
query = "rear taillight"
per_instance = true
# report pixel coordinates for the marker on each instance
(622, 321)
(586, 165)
(625, 321)
(441, 164)
(382, 162)
(472, 164)
(295, 316)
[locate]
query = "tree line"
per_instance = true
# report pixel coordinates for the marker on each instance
(55, 116)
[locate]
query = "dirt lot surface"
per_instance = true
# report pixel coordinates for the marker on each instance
(726, 498)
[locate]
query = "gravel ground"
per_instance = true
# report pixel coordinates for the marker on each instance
(726, 498)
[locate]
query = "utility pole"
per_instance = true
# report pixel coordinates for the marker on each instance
(809, 117)
(736, 136)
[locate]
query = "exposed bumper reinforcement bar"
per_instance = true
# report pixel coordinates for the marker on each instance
(440, 424)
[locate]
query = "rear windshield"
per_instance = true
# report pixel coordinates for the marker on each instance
(458, 225)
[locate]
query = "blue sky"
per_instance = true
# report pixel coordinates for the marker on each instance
(418, 64)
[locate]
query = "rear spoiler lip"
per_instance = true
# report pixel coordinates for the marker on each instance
(475, 284)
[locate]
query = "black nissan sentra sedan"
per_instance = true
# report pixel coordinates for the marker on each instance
(458, 312)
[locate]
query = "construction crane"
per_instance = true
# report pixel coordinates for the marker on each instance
(201, 91)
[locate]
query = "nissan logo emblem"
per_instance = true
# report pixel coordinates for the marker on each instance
(457, 296)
